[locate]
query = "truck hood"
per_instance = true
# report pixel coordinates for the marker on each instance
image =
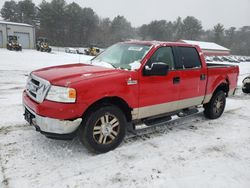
(66, 74)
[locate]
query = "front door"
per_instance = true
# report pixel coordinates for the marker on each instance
(159, 94)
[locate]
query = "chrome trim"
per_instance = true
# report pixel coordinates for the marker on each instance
(207, 98)
(131, 82)
(40, 90)
(134, 113)
(51, 125)
(148, 111)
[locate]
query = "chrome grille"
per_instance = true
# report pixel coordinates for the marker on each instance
(37, 88)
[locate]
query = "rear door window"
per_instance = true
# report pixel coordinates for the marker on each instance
(189, 57)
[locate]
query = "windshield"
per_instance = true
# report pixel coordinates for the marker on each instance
(12, 38)
(122, 55)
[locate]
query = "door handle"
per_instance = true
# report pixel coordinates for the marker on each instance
(176, 80)
(202, 77)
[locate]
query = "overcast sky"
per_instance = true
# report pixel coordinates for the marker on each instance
(210, 12)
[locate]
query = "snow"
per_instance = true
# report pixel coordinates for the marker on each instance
(188, 152)
(102, 64)
(206, 45)
(14, 23)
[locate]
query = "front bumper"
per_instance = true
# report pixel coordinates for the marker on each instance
(55, 110)
(51, 125)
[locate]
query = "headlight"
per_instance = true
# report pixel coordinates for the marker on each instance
(61, 94)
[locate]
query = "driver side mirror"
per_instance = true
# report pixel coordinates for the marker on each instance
(156, 69)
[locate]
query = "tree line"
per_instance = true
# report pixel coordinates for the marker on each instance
(72, 25)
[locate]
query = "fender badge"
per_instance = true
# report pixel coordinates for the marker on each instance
(131, 82)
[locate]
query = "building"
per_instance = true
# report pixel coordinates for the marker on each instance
(209, 48)
(24, 32)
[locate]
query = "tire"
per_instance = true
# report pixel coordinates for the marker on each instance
(246, 90)
(246, 85)
(103, 129)
(216, 106)
(9, 48)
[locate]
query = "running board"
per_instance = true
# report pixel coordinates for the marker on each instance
(152, 122)
(162, 120)
(187, 112)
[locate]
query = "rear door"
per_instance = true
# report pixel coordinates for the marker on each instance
(23, 39)
(192, 77)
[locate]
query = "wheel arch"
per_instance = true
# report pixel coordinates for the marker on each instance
(116, 101)
(223, 86)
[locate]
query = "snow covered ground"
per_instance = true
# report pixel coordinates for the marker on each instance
(189, 152)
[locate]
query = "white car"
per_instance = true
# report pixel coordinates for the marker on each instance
(71, 50)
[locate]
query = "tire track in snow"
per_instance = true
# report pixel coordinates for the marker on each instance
(4, 180)
(6, 129)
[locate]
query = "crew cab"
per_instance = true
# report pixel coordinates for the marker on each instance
(129, 83)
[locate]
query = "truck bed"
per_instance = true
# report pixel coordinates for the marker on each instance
(217, 71)
(219, 65)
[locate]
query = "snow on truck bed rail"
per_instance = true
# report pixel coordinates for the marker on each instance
(193, 152)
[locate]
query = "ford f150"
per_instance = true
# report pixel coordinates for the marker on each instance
(130, 82)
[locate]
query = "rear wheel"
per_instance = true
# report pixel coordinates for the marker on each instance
(216, 106)
(103, 130)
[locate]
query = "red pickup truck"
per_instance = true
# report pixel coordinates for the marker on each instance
(130, 82)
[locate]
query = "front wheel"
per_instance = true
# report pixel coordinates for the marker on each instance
(216, 106)
(103, 129)
(9, 47)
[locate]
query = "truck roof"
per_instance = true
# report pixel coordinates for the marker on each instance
(161, 43)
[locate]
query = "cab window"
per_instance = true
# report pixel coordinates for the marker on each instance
(189, 57)
(163, 55)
